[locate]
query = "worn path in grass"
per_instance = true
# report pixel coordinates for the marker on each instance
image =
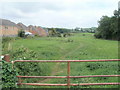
(56, 70)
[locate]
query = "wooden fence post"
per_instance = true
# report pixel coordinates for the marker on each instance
(7, 57)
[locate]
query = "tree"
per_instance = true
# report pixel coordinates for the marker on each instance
(77, 29)
(103, 28)
(21, 33)
(116, 13)
(108, 27)
(52, 32)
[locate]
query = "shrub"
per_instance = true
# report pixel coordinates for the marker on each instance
(5, 43)
(21, 33)
(9, 74)
(28, 68)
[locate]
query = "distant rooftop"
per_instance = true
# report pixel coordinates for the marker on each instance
(7, 22)
(22, 26)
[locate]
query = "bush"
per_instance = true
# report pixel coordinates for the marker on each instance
(21, 33)
(9, 74)
(97, 35)
(28, 68)
(23, 68)
(5, 43)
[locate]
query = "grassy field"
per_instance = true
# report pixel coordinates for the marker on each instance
(80, 46)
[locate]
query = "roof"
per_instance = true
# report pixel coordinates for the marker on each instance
(22, 26)
(31, 27)
(7, 23)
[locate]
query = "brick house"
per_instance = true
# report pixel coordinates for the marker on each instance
(8, 28)
(37, 30)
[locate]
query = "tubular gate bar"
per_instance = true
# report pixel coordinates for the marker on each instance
(68, 73)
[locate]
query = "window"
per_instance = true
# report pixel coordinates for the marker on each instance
(6, 27)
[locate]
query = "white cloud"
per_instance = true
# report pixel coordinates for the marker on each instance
(58, 13)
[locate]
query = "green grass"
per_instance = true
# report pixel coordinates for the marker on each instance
(80, 48)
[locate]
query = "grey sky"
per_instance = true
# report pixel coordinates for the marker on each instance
(57, 13)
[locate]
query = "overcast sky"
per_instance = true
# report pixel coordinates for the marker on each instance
(57, 13)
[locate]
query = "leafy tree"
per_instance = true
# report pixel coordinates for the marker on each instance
(52, 32)
(77, 29)
(108, 27)
(116, 13)
(21, 33)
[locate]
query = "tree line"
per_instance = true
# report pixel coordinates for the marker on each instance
(85, 30)
(63, 32)
(108, 27)
(59, 32)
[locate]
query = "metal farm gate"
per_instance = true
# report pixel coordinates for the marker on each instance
(68, 84)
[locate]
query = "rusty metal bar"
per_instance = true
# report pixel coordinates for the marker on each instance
(116, 83)
(7, 58)
(41, 84)
(68, 73)
(42, 76)
(38, 84)
(69, 76)
(99, 60)
(94, 76)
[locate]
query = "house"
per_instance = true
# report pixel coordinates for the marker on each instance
(42, 32)
(32, 29)
(22, 26)
(8, 28)
(37, 30)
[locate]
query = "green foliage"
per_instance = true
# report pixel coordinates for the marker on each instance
(21, 33)
(7, 39)
(85, 30)
(23, 53)
(23, 68)
(116, 13)
(6, 43)
(61, 30)
(9, 74)
(108, 28)
(29, 68)
(52, 32)
(58, 32)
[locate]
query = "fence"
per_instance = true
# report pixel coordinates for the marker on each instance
(7, 58)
